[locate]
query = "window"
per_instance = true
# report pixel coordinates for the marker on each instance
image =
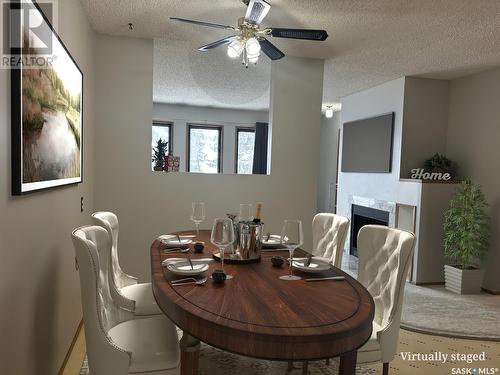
(162, 130)
(245, 144)
(204, 149)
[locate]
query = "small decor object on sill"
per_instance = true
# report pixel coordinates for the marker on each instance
(218, 276)
(159, 153)
(466, 239)
(440, 164)
(199, 246)
(172, 163)
(277, 261)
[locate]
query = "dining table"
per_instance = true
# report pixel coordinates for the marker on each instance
(256, 314)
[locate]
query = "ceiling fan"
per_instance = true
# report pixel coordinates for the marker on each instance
(250, 40)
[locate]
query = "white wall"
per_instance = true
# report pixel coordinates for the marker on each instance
(388, 97)
(148, 203)
(473, 137)
(385, 98)
(40, 289)
(328, 162)
(181, 115)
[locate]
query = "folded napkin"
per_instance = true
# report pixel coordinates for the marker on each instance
(170, 237)
(168, 261)
(319, 259)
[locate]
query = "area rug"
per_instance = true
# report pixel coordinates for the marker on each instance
(438, 311)
(214, 361)
(217, 362)
(435, 310)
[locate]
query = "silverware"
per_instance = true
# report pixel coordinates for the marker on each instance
(307, 263)
(178, 238)
(175, 250)
(189, 281)
(338, 278)
(190, 262)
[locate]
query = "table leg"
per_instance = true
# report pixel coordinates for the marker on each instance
(348, 363)
(190, 354)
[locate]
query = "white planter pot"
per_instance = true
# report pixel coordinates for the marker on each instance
(463, 281)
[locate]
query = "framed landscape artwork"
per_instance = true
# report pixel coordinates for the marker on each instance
(47, 107)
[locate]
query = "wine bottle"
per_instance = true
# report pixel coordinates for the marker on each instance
(258, 213)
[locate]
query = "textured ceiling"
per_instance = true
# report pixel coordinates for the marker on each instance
(371, 41)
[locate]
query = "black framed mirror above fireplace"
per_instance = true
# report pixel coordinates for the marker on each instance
(361, 216)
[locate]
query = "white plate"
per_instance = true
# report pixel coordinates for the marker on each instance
(316, 266)
(274, 241)
(174, 242)
(184, 268)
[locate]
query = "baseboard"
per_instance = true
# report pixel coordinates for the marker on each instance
(429, 284)
(495, 292)
(68, 354)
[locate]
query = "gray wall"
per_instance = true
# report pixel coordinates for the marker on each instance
(40, 290)
(181, 115)
(149, 204)
(473, 141)
(328, 162)
(425, 120)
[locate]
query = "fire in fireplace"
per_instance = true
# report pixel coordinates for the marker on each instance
(361, 216)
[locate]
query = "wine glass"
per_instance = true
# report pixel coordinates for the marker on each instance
(292, 237)
(222, 236)
(197, 215)
(245, 212)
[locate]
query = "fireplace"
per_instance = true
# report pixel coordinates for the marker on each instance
(361, 216)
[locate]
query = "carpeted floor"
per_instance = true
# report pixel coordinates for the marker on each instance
(435, 310)
(217, 362)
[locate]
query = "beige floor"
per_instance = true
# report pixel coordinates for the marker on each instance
(409, 342)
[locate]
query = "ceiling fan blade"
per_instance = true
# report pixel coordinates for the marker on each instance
(218, 43)
(306, 34)
(257, 10)
(201, 23)
(270, 49)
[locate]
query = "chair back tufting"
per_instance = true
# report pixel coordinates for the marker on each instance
(384, 257)
(100, 314)
(329, 234)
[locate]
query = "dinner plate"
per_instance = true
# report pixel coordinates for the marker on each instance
(273, 242)
(316, 266)
(184, 268)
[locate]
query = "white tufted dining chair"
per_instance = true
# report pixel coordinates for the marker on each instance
(117, 343)
(329, 234)
(384, 257)
(125, 289)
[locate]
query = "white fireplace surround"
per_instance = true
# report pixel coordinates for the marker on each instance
(377, 204)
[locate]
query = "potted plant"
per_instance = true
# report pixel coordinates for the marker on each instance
(159, 153)
(466, 239)
(439, 163)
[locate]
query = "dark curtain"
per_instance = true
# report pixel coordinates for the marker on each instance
(260, 151)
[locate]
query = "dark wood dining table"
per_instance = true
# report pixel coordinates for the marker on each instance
(256, 314)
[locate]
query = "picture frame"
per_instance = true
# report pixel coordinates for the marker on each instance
(46, 107)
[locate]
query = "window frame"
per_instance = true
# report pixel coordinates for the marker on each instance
(220, 154)
(242, 129)
(170, 126)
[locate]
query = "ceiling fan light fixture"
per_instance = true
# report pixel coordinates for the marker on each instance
(253, 47)
(253, 59)
(235, 49)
